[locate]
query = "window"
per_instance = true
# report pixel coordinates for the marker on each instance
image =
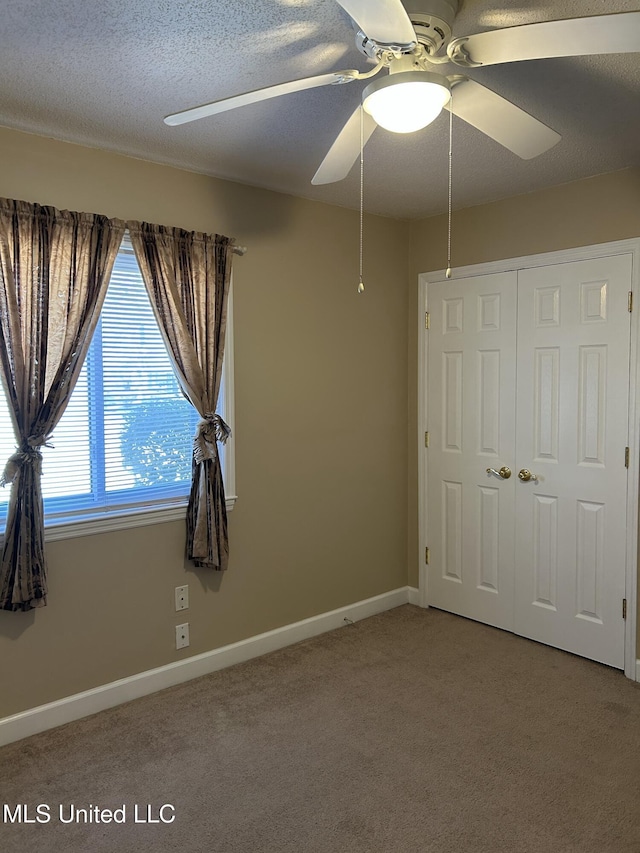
(124, 444)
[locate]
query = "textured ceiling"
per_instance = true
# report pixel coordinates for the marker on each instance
(104, 74)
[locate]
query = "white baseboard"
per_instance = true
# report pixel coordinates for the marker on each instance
(414, 595)
(89, 702)
(638, 670)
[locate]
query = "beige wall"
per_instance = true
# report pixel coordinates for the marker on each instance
(595, 210)
(321, 426)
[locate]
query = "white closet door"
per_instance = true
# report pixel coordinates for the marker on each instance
(572, 422)
(471, 422)
(529, 370)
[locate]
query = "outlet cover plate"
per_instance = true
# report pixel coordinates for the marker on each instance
(182, 597)
(182, 636)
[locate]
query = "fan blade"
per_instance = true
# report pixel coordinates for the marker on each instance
(345, 150)
(384, 21)
(501, 120)
(575, 37)
(256, 95)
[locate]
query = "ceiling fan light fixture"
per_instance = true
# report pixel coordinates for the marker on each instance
(406, 101)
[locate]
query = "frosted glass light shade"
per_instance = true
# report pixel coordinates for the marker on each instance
(406, 101)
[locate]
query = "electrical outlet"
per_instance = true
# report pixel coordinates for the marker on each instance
(182, 598)
(182, 636)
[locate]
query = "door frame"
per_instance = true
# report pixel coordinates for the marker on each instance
(620, 247)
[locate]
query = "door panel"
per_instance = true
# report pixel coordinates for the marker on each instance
(472, 427)
(572, 413)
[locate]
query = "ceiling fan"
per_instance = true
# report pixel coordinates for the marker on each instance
(410, 44)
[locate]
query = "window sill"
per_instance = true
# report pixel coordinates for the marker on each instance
(120, 520)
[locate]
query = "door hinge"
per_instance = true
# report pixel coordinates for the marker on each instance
(624, 608)
(426, 439)
(427, 321)
(630, 301)
(426, 556)
(626, 457)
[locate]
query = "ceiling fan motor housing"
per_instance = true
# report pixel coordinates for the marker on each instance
(432, 21)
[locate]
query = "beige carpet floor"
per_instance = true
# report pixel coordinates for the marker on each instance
(410, 732)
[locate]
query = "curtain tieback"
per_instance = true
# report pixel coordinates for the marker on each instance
(29, 453)
(211, 429)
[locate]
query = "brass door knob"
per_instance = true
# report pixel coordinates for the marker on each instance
(504, 472)
(525, 475)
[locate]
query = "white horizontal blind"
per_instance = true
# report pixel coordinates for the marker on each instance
(148, 424)
(126, 437)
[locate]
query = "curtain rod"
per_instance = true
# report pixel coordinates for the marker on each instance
(239, 250)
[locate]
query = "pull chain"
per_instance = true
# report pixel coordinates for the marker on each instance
(360, 281)
(448, 272)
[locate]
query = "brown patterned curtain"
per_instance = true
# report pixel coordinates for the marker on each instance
(187, 275)
(54, 270)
